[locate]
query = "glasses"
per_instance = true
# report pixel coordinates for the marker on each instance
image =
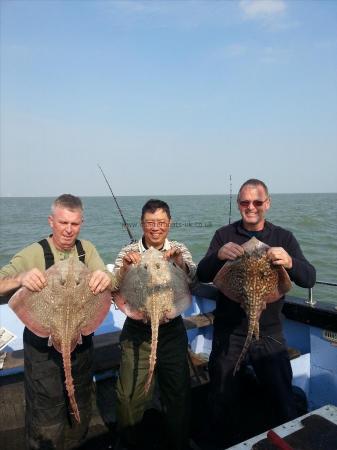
(155, 223)
(255, 203)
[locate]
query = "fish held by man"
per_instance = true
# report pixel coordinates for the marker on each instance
(155, 290)
(253, 281)
(63, 311)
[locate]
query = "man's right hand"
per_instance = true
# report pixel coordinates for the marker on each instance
(230, 251)
(34, 280)
(129, 259)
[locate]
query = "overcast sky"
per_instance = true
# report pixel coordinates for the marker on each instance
(169, 97)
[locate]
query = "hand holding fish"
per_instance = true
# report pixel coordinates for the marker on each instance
(154, 291)
(254, 280)
(34, 280)
(174, 254)
(128, 260)
(64, 310)
(280, 257)
(131, 258)
(230, 251)
(99, 281)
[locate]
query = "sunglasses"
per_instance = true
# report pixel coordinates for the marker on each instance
(256, 203)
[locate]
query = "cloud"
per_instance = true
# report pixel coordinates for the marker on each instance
(262, 9)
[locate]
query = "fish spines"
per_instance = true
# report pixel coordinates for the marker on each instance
(69, 381)
(252, 322)
(154, 317)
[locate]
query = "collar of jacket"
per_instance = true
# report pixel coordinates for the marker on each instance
(142, 246)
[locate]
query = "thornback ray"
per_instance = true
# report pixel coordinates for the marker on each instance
(253, 281)
(155, 290)
(63, 311)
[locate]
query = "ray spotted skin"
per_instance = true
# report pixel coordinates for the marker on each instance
(154, 290)
(64, 310)
(253, 281)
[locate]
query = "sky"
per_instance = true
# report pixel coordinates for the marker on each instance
(169, 97)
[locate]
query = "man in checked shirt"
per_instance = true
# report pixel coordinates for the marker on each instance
(172, 370)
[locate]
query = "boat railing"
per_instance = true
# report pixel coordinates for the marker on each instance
(311, 301)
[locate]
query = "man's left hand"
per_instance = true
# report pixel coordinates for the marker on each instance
(280, 257)
(174, 253)
(99, 281)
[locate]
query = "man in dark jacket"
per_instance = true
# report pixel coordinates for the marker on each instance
(268, 355)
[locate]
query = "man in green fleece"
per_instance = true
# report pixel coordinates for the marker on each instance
(48, 423)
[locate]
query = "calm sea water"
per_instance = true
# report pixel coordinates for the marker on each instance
(311, 217)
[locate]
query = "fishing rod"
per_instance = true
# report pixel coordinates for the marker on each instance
(230, 199)
(120, 211)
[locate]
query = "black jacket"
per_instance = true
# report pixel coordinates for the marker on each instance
(229, 314)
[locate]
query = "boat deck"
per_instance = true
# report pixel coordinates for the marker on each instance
(12, 411)
(305, 321)
(316, 430)
(102, 427)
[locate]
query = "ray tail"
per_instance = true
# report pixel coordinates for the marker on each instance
(66, 356)
(154, 314)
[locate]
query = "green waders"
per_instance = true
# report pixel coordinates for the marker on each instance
(172, 376)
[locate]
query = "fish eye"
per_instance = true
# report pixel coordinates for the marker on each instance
(157, 266)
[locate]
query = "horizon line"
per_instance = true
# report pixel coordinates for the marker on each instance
(159, 195)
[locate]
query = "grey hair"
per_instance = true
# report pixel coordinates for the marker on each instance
(67, 201)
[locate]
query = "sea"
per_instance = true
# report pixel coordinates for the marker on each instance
(195, 218)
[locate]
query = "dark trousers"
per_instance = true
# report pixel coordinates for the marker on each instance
(171, 374)
(270, 361)
(49, 423)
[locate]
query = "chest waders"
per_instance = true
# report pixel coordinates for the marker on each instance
(48, 422)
